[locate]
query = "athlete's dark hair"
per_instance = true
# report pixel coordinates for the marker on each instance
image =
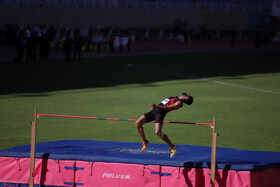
(190, 100)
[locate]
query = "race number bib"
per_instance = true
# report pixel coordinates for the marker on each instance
(164, 102)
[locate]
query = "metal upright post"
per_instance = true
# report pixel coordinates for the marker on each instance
(33, 149)
(214, 153)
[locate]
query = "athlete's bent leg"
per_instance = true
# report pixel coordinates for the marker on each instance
(139, 125)
(163, 136)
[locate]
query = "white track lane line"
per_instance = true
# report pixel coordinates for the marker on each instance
(207, 80)
(237, 85)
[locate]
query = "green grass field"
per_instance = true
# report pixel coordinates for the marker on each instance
(240, 89)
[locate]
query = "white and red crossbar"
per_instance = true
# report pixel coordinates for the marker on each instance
(118, 119)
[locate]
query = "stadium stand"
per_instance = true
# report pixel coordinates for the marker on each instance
(233, 5)
(109, 4)
(219, 16)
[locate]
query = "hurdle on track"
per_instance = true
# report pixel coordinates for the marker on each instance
(37, 115)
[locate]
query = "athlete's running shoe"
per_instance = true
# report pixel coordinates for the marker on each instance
(145, 146)
(173, 151)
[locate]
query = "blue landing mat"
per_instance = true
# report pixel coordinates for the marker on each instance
(157, 154)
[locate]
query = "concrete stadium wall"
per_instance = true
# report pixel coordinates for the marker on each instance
(88, 17)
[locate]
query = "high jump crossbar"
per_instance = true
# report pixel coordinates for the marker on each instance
(117, 119)
(37, 115)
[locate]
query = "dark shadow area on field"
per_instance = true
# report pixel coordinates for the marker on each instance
(31, 80)
(33, 95)
(234, 78)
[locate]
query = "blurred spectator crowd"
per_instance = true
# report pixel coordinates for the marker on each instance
(34, 43)
(39, 39)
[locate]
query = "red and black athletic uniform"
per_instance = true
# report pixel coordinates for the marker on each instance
(158, 115)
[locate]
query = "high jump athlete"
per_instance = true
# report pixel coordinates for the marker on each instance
(157, 114)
